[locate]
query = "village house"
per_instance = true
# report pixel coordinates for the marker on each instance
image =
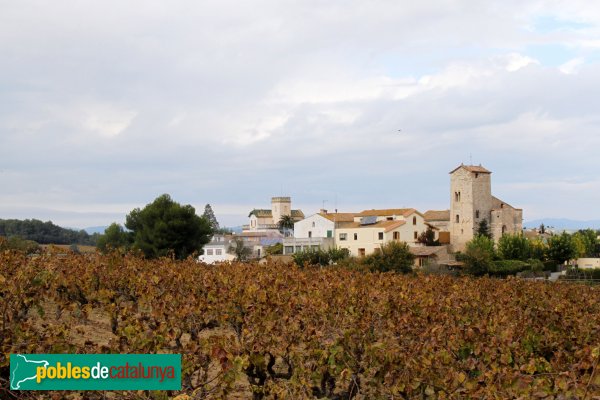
(217, 250)
(315, 232)
(372, 229)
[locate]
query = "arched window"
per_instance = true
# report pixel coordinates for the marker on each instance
(503, 229)
(457, 219)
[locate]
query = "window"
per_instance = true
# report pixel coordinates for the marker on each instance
(309, 234)
(361, 252)
(380, 235)
(313, 224)
(501, 205)
(289, 250)
(343, 236)
(396, 235)
(298, 249)
(356, 236)
(329, 234)
(416, 235)
(414, 220)
(477, 214)
(503, 229)
(209, 252)
(218, 252)
(390, 218)
(457, 219)
(456, 196)
(476, 175)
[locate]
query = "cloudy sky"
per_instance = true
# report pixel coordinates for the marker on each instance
(107, 104)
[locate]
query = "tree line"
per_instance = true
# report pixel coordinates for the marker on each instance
(44, 232)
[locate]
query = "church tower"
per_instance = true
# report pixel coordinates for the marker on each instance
(470, 202)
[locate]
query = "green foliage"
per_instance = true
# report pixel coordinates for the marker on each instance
(44, 232)
(538, 249)
(286, 223)
(484, 229)
(320, 257)
(504, 268)
(561, 248)
(239, 249)
(393, 256)
(428, 237)
(311, 257)
(209, 215)
(514, 247)
(586, 243)
(583, 273)
(479, 255)
(277, 248)
(19, 244)
(114, 237)
(165, 227)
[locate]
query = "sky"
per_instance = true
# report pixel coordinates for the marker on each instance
(105, 105)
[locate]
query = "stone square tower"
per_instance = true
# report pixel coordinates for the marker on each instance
(471, 201)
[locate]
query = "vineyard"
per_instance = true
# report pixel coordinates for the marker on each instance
(274, 331)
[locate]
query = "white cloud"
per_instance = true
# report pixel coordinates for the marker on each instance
(572, 66)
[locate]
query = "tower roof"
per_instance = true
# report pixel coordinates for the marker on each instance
(472, 168)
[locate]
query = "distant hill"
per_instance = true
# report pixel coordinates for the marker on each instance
(563, 223)
(95, 229)
(235, 229)
(44, 232)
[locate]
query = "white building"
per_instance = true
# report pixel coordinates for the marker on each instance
(316, 231)
(217, 250)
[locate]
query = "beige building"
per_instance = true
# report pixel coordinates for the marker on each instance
(471, 201)
(371, 229)
(265, 219)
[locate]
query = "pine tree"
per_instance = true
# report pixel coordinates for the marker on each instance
(209, 215)
(484, 229)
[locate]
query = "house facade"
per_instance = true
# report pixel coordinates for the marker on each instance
(217, 250)
(315, 232)
(471, 201)
(372, 229)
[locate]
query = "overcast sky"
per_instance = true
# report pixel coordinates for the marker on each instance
(107, 104)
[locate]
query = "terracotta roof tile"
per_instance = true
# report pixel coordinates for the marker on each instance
(387, 212)
(339, 217)
(437, 215)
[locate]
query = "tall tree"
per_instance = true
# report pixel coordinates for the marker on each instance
(484, 229)
(427, 237)
(514, 247)
(115, 237)
(479, 255)
(164, 227)
(209, 215)
(561, 248)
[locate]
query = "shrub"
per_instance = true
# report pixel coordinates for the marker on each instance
(393, 256)
(504, 268)
(479, 255)
(514, 247)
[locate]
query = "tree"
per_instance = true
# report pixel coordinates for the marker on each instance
(428, 237)
(393, 256)
(274, 249)
(240, 250)
(561, 248)
(164, 227)
(538, 249)
(209, 215)
(115, 237)
(484, 229)
(586, 241)
(479, 255)
(286, 223)
(514, 247)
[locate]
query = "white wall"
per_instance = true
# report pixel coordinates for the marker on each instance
(316, 224)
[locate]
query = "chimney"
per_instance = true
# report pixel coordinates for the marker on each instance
(323, 211)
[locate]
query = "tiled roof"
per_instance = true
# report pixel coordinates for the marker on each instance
(472, 168)
(297, 214)
(437, 215)
(387, 212)
(387, 225)
(339, 217)
(497, 204)
(261, 213)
